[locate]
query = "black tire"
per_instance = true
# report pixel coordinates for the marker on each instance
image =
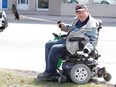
(80, 73)
(100, 72)
(76, 1)
(104, 2)
(62, 79)
(107, 76)
(5, 23)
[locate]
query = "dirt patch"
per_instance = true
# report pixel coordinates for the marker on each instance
(34, 74)
(104, 83)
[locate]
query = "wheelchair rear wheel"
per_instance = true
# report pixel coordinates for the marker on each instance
(80, 73)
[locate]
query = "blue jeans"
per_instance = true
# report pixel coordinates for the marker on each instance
(53, 49)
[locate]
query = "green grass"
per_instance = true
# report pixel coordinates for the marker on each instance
(13, 78)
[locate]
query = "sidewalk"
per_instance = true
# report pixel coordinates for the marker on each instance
(43, 15)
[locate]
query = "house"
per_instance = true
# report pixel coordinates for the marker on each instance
(24, 4)
(103, 8)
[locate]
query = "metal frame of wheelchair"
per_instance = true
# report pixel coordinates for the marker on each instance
(80, 69)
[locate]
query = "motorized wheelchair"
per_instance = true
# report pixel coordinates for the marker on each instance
(77, 67)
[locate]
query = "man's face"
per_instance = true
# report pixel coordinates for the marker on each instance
(82, 15)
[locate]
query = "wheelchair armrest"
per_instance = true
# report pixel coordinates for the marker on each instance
(76, 39)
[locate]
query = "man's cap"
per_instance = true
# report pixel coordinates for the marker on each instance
(80, 7)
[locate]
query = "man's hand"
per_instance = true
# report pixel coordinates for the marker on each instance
(60, 24)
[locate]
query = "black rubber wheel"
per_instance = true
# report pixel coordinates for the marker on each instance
(107, 76)
(76, 1)
(100, 72)
(104, 2)
(62, 79)
(80, 73)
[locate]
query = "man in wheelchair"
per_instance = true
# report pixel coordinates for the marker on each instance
(84, 30)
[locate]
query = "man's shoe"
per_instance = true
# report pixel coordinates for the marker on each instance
(53, 77)
(43, 76)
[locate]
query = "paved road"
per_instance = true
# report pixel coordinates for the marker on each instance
(22, 45)
(43, 17)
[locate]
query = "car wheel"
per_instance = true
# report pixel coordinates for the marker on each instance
(5, 23)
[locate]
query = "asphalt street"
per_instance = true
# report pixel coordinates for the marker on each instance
(22, 43)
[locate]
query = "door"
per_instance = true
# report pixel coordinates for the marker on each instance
(22, 5)
(4, 3)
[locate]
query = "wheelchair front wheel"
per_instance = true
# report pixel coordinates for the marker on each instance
(62, 79)
(107, 76)
(80, 73)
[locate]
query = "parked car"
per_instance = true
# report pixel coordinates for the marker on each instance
(77, 1)
(104, 1)
(3, 20)
(94, 1)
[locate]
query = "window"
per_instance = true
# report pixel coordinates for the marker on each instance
(22, 1)
(42, 3)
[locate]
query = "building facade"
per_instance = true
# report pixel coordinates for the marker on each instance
(24, 4)
(102, 8)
